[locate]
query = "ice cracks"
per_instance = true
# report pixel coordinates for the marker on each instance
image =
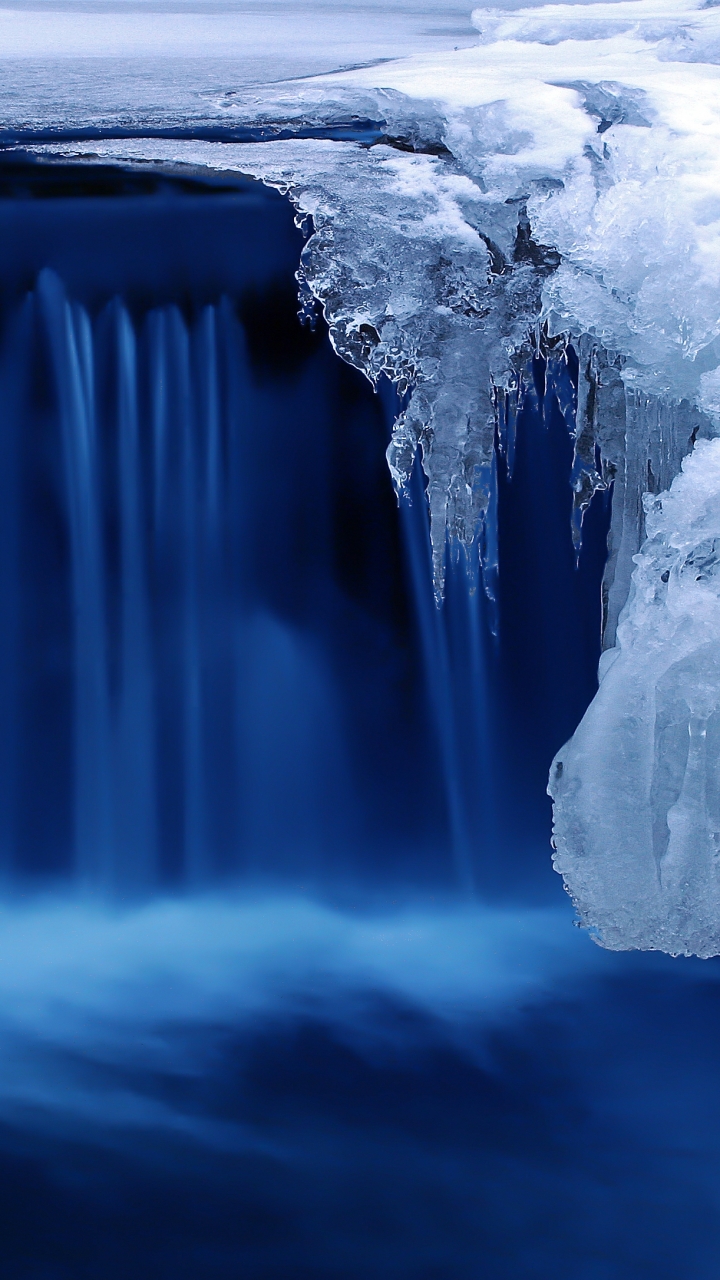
(637, 789)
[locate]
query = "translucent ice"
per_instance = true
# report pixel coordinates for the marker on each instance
(637, 790)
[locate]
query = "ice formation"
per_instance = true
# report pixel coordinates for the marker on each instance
(557, 177)
(411, 289)
(637, 790)
(558, 183)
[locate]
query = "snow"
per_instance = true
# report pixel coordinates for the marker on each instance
(637, 220)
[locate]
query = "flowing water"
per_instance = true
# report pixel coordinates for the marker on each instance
(288, 987)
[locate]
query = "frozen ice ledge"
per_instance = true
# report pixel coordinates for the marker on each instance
(555, 186)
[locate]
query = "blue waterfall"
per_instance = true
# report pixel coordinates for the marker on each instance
(205, 563)
(288, 988)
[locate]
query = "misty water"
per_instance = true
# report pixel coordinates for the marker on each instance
(288, 986)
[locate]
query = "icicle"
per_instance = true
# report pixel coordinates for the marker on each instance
(637, 817)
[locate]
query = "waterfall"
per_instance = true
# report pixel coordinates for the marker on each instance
(222, 653)
(190, 725)
(117, 458)
(199, 730)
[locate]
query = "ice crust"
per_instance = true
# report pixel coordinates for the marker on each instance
(637, 789)
(557, 183)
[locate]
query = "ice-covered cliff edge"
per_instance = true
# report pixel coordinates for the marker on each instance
(633, 210)
(558, 182)
(564, 174)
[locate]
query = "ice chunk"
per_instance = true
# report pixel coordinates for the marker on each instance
(637, 789)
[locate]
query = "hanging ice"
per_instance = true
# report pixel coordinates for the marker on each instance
(637, 790)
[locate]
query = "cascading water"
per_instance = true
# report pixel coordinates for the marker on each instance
(199, 685)
(301, 973)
